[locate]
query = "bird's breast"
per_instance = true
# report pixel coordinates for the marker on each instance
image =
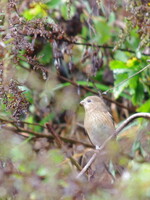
(99, 127)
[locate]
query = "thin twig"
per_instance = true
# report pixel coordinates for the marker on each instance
(55, 135)
(75, 163)
(6, 121)
(15, 122)
(102, 46)
(109, 173)
(50, 137)
(87, 165)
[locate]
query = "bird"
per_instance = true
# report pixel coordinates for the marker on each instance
(98, 121)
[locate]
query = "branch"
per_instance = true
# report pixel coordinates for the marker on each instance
(131, 118)
(50, 137)
(54, 134)
(87, 165)
(22, 122)
(102, 46)
(75, 163)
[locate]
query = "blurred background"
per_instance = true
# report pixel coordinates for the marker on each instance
(54, 53)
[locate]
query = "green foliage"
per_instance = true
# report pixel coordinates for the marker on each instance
(45, 55)
(117, 64)
(144, 107)
(122, 73)
(28, 94)
(133, 40)
(37, 10)
(103, 31)
(53, 3)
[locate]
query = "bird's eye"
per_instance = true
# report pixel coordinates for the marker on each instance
(88, 100)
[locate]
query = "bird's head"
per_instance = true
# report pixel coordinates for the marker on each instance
(92, 103)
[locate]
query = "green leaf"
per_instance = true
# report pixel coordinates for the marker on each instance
(145, 107)
(98, 85)
(134, 40)
(38, 10)
(28, 95)
(133, 82)
(139, 94)
(84, 32)
(47, 118)
(103, 31)
(121, 56)
(112, 18)
(45, 56)
(117, 64)
(133, 63)
(64, 10)
(53, 3)
(119, 89)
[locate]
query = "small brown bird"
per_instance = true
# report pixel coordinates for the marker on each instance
(98, 121)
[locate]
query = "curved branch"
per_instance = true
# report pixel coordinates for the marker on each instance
(131, 118)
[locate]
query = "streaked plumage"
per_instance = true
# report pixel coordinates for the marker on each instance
(97, 122)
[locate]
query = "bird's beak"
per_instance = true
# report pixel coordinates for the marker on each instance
(82, 103)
